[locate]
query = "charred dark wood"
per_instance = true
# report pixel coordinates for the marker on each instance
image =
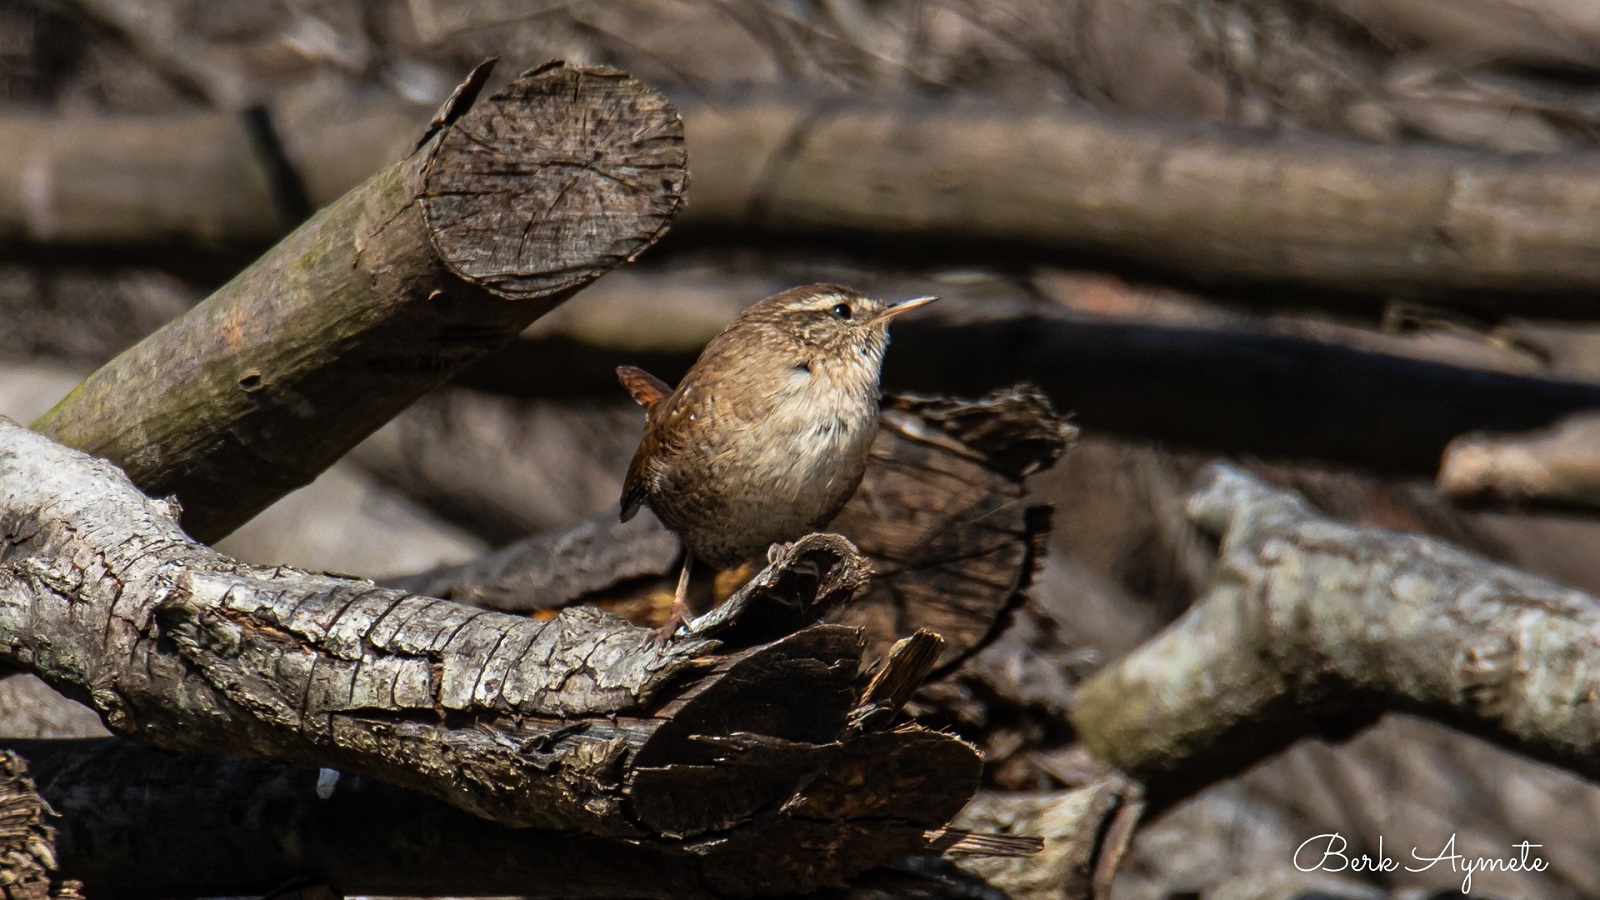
(551, 570)
(137, 824)
(426, 266)
(746, 760)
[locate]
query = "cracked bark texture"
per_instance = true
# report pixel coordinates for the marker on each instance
(579, 724)
(1312, 627)
(507, 210)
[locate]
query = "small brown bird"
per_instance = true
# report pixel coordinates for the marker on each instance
(767, 436)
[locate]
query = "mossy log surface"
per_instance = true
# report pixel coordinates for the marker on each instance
(505, 211)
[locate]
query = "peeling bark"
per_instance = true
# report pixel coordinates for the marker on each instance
(437, 259)
(1314, 627)
(744, 760)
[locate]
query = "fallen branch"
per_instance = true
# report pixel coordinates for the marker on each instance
(1313, 627)
(1480, 229)
(1556, 466)
(1210, 203)
(746, 761)
(384, 294)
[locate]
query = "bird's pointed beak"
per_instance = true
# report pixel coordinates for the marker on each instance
(903, 307)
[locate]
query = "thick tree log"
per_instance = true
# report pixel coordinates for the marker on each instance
(1207, 203)
(1556, 466)
(140, 823)
(1313, 627)
(510, 208)
(941, 516)
(746, 760)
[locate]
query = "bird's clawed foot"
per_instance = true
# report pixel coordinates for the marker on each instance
(776, 552)
(680, 606)
(660, 637)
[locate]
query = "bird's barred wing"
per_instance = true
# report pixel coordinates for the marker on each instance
(649, 392)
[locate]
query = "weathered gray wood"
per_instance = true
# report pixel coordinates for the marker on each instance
(1314, 627)
(1476, 228)
(579, 724)
(560, 176)
(1211, 203)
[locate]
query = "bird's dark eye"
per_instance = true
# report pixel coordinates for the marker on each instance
(842, 310)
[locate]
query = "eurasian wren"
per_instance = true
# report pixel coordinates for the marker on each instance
(767, 436)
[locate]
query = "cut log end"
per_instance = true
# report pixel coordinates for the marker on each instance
(621, 155)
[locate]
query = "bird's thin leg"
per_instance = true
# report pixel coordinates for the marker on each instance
(680, 602)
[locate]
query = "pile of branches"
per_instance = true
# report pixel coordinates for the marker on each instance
(897, 707)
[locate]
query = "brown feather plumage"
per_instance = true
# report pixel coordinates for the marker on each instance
(767, 435)
(647, 390)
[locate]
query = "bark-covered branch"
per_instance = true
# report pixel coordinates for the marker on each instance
(745, 760)
(1314, 627)
(509, 209)
(1205, 202)
(1557, 466)
(140, 824)
(1209, 203)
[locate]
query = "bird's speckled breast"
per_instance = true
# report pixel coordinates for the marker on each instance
(787, 471)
